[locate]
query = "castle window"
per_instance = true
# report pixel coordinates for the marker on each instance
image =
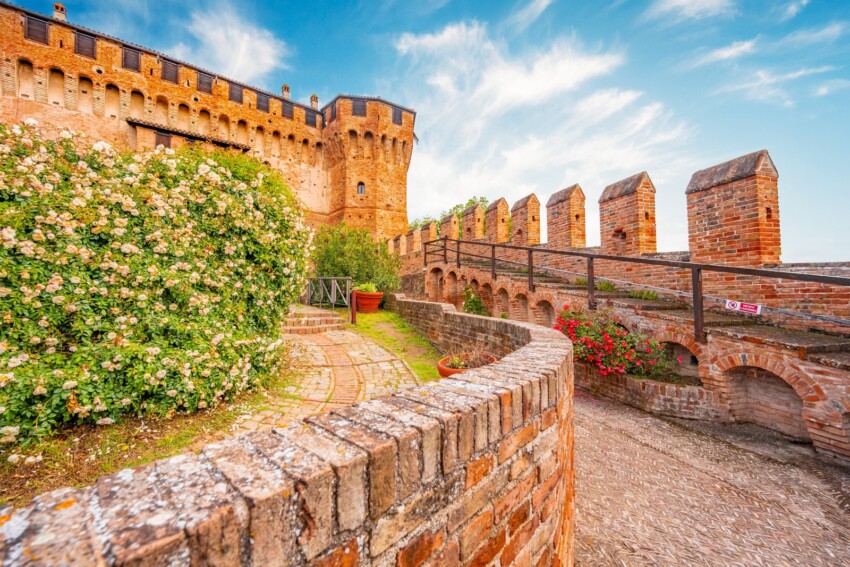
(169, 71)
(263, 102)
(235, 93)
(163, 139)
(131, 59)
(361, 188)
(397, 116)
(287, 110)
(205, 83)
(36, 30)
(358, 107)
(333, 112)
(85, 45)
(310, 117)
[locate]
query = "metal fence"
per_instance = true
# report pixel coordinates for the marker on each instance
(333, 292)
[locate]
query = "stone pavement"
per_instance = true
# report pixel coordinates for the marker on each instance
(337, 368)
(651, 491)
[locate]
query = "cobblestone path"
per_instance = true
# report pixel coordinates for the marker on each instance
(652, 491)
(338, 368)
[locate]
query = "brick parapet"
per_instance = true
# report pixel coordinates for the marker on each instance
(525, 221)
(472, 223)
(398, 480)
(498, 221)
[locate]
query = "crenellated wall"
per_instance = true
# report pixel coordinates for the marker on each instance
(470, 470)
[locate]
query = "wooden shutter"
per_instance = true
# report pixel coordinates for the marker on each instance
(163, 140)
(85, 45)
(358, 107)
(262, 102)
(288, 110)
(37, 30)
(235, 93)
(131, 59)
(170, 71)
(397, 116)
(205, 83)
(310, 117)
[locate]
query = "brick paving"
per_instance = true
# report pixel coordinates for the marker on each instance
(336, 368)
(652, 491)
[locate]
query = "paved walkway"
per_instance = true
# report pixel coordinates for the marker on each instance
(339, 368)
(657, 492)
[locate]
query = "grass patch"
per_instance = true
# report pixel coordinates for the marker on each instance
(77, 456)
(647, 294)
(394, 334)
(606, 286)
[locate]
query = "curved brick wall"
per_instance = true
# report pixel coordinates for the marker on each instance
(457, 472)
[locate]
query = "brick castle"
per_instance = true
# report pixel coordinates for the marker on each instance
(347, 161)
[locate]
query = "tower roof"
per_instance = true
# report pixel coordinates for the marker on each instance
(627, 186)
(732, 170)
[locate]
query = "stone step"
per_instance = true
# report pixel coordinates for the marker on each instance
(309, 321)
(312, 329)
(840, 360)
(805, 343)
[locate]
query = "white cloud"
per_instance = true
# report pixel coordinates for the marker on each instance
(826, 34)
(529, 14)
(733, 51)
(791, 9)
(689, 9)
(832, 86)
(767, 87)
(222, 41)
(501, 124)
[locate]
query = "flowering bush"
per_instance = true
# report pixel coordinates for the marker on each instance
(143, 284)
(600, 342)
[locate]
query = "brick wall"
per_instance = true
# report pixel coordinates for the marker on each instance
(525, 221)
(627, 217)
(465, 471)
(497, 221)
(565, 221)
(472, 223)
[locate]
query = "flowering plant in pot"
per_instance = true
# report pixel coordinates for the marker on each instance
(368, 297)
(461, 361)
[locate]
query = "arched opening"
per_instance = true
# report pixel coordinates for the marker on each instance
(224, 127)
(394, 151)
(353, 143)
(112, 102)
(260, 140)
(242, 132)
(685, 362)
(160, 111)
(385, 148)
(451, 289)
(503, 303)
(137, 104)
(435, 285)
(361, 188)
(544, 314)
(184, 116)
(290, 146)
(403, 150)
(319, 155)
(487, 297)
(26, 80)
(305, 150)
(85, 95)
(204, 122)
(761, 397)
(56, 88)
(275, 143)
(520, 308)
(368, 145)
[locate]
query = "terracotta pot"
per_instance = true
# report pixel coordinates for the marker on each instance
(368, 302)
(445, 371)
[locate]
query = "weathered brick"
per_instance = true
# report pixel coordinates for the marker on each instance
(494, 405)
(513, 497)
(518, 518)
(464, 413)
(518, 541)
(516, 441)
(449, 557)
(475, 533)
(346, 555)
(489, 550)
(420, 549)
(449, 422)
(478, 469)
(474, 500)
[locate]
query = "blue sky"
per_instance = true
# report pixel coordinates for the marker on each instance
(521, 96)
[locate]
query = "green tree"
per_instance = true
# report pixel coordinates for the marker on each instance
(342, 251)
(455, 210)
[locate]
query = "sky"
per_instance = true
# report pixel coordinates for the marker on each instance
(522, 96)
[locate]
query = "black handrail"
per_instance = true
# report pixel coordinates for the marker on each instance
(695, 268)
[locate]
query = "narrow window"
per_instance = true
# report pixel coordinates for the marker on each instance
(85, 95)
(131, 59)
(56, 88)
(333, 112)
(358, 107)
(262, 102)
(36, 30)
(85, 45)
(361, 188)
(205, 83)
(310, 117)
(112, 101)
(170, 71)
(163, 139)
(235, 93)
(287, 110)
(397, 116)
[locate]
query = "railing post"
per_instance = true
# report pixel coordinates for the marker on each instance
(591, 285)
(445, 250)
(493, 261)
(699, 312)
(354, 307)
(425, 254)
(458, 254)
(530, 270)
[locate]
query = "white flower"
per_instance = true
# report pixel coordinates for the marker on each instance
(105, 421)
(4, 291)
(171, 393)
(39, 390)
(10, 431)
(161, 374)
(14, 458)
(69, 385)
(31, 122)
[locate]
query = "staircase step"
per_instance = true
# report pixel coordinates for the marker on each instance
(804, 342)
(312, 329)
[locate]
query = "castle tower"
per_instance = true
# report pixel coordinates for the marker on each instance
(370, 143)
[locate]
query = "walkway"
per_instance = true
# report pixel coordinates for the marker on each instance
(657, 492)
(339, 367)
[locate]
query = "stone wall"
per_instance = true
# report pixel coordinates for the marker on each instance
(463, 471)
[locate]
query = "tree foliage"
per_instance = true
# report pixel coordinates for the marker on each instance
(341, 251)
(455, 210)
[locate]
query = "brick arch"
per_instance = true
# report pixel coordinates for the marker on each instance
(521, 306)
(800, 382)
(503, 301)
(686, 341)
(435, 285)
(451, 291)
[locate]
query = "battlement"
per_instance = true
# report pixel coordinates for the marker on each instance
(346, 162)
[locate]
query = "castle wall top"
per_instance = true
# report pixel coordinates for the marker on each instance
(495, 204)
(563, 195)
(532, 198)
(732, 170)
(627, 186)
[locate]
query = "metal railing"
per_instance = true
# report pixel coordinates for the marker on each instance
(441, 247)
(335, 292)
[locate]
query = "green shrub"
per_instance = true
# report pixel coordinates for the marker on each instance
(606, 286)
(143, 284)
(473, 304)
(367, 288)
(348, 252)
(580, 281)
(647, 294)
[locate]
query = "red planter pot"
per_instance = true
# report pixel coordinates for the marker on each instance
(368, 302)
(445, 371)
